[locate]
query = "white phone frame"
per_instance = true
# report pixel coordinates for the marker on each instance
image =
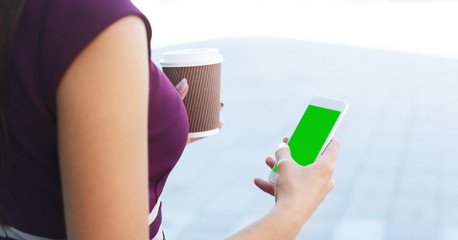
(328, 103)
(333, 104)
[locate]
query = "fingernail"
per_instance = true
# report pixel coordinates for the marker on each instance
(222, 104)
(282, 145)
(181, 85)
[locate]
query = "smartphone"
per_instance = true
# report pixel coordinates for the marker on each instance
(315, 130)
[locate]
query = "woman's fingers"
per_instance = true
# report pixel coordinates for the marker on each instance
(331, 185)
(330, 153)
(270, 162)
(325, 163)
(265, 186)
(282, 152)
(191, 140)
(221, 123)
(182, 88)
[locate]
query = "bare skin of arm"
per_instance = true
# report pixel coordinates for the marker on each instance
(102, 104)
(298, 192)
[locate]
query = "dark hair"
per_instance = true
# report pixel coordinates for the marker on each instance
(10, 16)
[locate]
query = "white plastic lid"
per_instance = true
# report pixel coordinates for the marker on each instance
(191, 57)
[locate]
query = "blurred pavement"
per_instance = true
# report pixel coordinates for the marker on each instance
(396, 175)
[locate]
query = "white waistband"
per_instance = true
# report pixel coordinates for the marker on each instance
(152, 216)
(14, 233)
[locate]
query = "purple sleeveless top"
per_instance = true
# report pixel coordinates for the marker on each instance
(50, 36)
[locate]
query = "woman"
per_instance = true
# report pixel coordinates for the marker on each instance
(91, 128)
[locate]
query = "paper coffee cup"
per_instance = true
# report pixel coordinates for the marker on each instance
(202, 69)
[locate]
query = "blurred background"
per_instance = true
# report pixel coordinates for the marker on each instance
(395, 62)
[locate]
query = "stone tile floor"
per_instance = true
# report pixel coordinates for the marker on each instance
(397, 172)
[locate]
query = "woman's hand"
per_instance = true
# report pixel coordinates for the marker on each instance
(298, 191)
(182, 88)
(297, 188)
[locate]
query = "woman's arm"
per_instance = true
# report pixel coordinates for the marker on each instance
(280, 223)
(298, 192)
(102, 105)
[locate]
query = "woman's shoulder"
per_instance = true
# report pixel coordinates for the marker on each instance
(80, 12)
(71, 25)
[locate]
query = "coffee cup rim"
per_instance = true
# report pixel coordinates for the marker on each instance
(191, 57)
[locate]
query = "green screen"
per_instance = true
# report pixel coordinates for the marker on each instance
(311, 134)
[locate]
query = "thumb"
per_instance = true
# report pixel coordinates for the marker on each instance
(182, 88)
(283, 153)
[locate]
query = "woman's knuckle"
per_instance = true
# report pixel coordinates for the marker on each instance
(326, 171)
(330, 169)
(337, 143)
(282, 164)
(281, 152)
(332, 183)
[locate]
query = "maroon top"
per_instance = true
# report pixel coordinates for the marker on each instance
(50, 35)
